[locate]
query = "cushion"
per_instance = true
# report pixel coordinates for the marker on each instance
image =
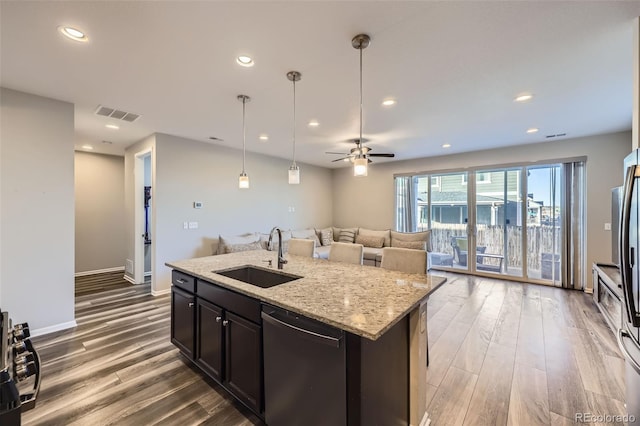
(322, 252)
(370, 241)
(336, 233)
(371, 233)
(370, 253)
(423, 236)
(233, 248)
(347, 236)
(306, 234)
(264, 240)
(326, 236)
(416, 245)
(236, 239)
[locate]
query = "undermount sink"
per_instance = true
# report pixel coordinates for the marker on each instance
(257, 276)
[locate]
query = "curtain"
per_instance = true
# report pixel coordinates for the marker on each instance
(406, 204)
(572, 208)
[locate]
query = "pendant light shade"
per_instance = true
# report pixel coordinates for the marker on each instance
(243, 180)
(294, 170)
(360, 163)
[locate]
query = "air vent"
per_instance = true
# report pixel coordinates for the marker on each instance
(558, 135)
(117, 114)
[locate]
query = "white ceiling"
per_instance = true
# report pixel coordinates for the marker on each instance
(454, 68)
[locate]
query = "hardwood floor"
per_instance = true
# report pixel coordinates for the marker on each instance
(96, 283)
(500, 353)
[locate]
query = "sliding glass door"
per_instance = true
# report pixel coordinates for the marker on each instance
(499, 221)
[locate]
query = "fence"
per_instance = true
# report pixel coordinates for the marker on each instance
(540, 241)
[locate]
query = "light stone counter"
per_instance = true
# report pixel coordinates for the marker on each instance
(363, 300)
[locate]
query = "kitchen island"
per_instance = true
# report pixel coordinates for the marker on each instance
(381, 313)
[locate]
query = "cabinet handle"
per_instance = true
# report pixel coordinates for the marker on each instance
(181, 281)
(225, 322)
(218, 319)
(191, 304)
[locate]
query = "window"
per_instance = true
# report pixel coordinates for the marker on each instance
(481, 177)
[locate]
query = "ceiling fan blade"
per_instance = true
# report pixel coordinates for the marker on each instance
(382, 155)
(339, 153)
(340, 159)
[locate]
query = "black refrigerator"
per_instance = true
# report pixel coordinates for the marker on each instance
(629, 239)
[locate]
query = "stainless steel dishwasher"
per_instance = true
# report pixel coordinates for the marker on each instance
(305, 379)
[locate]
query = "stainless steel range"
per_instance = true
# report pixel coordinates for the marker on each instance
(19, 371)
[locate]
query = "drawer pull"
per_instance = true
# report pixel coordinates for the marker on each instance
(181, 281)
(191, 304)
(218, 319)
(225, 322)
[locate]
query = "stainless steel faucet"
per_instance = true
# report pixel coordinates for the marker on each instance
(281, 259)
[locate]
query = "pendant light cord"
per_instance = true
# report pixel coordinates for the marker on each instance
(244, 134)
(294, 122)
(360, 140)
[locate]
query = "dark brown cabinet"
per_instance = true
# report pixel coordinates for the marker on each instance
(209, 337)
(183, 321)
(221, 331)
(243, 356)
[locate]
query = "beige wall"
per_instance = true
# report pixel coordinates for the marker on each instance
(186, 171)
(37, 210)
(369, 202)
(99, 189)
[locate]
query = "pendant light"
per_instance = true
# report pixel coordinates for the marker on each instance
(360, 162)
(294, 170)
(243, 180)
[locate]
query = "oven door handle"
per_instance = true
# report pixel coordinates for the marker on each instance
(28, 400)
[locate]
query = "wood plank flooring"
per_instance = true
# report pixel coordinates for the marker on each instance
(501, 353)
(95, 283)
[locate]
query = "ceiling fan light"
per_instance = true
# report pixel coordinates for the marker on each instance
(360, 166)
(294, 175)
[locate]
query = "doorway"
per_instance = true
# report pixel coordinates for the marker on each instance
(143, 179)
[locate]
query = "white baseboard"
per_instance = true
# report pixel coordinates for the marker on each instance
(130, 279)
(53, 328)
(99, 271)
(161, 292)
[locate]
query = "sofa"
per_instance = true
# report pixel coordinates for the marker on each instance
(372, 240)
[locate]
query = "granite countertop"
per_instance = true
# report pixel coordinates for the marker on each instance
(363, 300)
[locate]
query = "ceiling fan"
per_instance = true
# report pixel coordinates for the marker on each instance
(359, 151)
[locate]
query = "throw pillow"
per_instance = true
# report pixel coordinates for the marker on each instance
(336, 233)
(370, 241)
(306, 234)
(326, 235)
(371, 233)
(347, 236)
(234, 248)
(416, 245)
(423, 236)
(236, 239)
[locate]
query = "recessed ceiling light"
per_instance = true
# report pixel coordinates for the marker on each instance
(264, 137)
(245, 61)
(524, 97)
(446, 145)
(389, 102)
(89, 147)
(314, 123)
(532, 130)
(73, 33)
(112, 126)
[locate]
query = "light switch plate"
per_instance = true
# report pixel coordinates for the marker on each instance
(185, 225)
(193, 225)
(197, 204)
(607, 226)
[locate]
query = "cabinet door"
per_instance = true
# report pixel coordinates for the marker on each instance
(209, 337)
(183, 321)
(244, 360)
